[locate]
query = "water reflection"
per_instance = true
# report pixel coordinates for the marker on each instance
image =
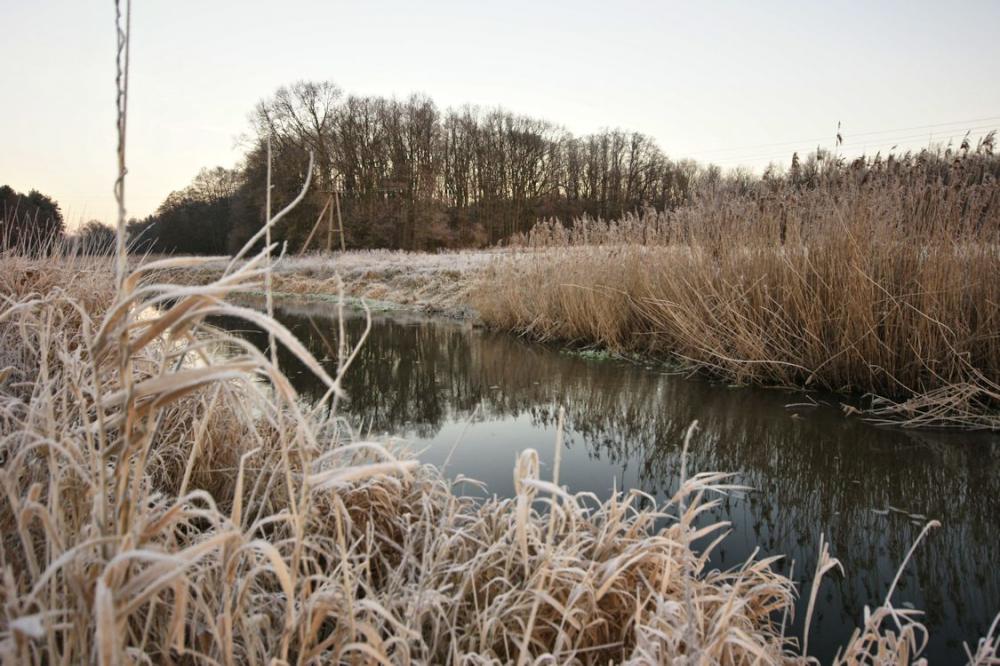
(812, 470)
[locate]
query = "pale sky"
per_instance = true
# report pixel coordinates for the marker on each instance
(728, 82)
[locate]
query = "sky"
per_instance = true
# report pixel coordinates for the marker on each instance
(734, 83)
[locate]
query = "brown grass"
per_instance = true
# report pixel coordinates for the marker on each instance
(185, 512)
(879, 279)
(162, 504)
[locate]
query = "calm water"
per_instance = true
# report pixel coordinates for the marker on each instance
(813, 471)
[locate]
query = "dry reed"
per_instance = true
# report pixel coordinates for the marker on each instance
(191, 513)
(879, 279)
(165, 503)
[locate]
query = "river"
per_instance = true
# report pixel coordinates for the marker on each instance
(812, 470)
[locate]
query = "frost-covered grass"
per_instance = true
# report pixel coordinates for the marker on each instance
(161, 504)
(439, 282)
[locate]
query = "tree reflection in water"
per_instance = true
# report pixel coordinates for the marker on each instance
(811, 470)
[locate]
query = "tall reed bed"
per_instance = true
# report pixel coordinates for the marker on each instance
(877, 277)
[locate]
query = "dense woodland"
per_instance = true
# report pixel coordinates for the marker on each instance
(403, 174)
(411, 176)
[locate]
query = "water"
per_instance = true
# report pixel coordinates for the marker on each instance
(813, 470)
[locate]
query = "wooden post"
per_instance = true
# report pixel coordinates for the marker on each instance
(315, 227)
(340, 221)
(329, 225)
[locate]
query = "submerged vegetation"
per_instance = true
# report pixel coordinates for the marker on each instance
(873, 277)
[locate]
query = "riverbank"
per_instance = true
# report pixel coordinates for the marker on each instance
(915, 330)
(228, 521)
(470, 399)
(911, 331)
(440, 284)
(223, 518)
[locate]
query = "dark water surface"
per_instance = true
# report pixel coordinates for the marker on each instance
(869, 490)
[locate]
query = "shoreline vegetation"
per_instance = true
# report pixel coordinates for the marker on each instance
(880, 280)
(440, 284)
(162, 503)
(875, 279)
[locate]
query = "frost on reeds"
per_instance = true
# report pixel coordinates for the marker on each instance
(165, 502)
(879, 278)
(162, 504)
(436, 282)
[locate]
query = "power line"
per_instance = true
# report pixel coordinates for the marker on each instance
(851, 134)
(914, 137)
(957, 122)
(974, 133)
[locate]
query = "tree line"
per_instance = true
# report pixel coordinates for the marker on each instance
(33, 224)
(408, 175)
(30, 222)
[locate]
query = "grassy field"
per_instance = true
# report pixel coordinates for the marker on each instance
(881, 278)
(161, 503)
